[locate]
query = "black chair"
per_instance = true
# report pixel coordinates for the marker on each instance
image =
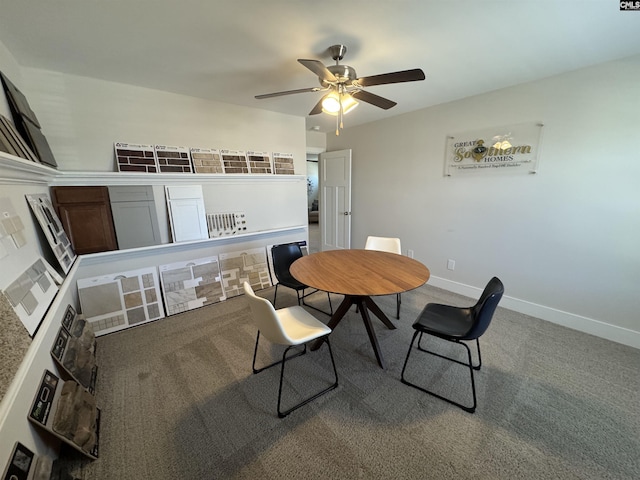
(283, 256)
(457, 324)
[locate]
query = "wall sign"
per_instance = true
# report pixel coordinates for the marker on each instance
(504, 149)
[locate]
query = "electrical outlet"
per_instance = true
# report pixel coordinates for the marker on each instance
(410, 253)
(451, 264)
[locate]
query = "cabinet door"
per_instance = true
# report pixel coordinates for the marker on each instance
(85, 214)
(136, 224)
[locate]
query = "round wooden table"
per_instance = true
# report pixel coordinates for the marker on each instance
(359, 275)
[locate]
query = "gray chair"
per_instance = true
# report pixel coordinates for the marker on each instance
(457, 325)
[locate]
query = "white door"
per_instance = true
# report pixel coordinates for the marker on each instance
(334, 175)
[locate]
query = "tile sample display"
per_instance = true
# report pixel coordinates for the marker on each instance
(244, 266)
(191, 284)
(283, 163)
(120, 300)
(173, 159)
(131, 157)
(52, 227)
(11, 228)
(206, 160)
(31, 294)
(223, 224)
(259, 162)
(186, 213)
(234, 161)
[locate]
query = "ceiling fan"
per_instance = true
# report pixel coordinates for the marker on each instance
(345, 88)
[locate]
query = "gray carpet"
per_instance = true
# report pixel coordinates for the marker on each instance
(179, 400)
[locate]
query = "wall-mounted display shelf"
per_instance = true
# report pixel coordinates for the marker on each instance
(17, 170)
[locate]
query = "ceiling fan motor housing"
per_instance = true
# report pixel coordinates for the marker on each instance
(344, 73)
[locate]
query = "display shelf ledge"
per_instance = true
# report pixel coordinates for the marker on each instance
(71, 178)
(102, 257)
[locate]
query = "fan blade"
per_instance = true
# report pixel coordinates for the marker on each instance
(373, 99)
(287, 92)
(318, 108)
(393, 77)
(319, 69)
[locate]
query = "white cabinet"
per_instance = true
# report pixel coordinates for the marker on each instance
(186, 212)
(134, 216)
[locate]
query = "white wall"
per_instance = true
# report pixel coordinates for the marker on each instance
(564, 241)
(83, 117)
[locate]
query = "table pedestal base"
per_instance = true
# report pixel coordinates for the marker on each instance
(364, 304)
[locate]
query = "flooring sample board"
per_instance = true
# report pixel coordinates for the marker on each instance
(186, 213)
(259, 162)
(244, 266)
(234, 161)
(283, 163)
(134, 157)
(206, 160)
(12, 235)
(31, 294)
(191, 284)
(42, 208)
(173, 159)
(120, 300)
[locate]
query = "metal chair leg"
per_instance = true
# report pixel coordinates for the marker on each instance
(255, 354)
(448, 400)
(282, 414)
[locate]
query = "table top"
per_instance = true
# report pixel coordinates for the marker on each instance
(360, 272)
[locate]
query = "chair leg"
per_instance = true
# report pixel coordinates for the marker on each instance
(398, 302)
(448, 400)
(255, 354)
(475, 367)
(311, 306)
(282, 414)
(274, 296)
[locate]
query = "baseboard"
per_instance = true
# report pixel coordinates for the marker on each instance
(566, 319)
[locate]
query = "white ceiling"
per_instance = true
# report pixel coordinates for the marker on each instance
(231, 50)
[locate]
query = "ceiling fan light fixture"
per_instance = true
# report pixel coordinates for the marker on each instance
(331, 103)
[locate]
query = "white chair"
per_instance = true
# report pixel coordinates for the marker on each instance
(291, 326)
(386, 244)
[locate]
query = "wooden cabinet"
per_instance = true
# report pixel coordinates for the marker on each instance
(85, 213)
